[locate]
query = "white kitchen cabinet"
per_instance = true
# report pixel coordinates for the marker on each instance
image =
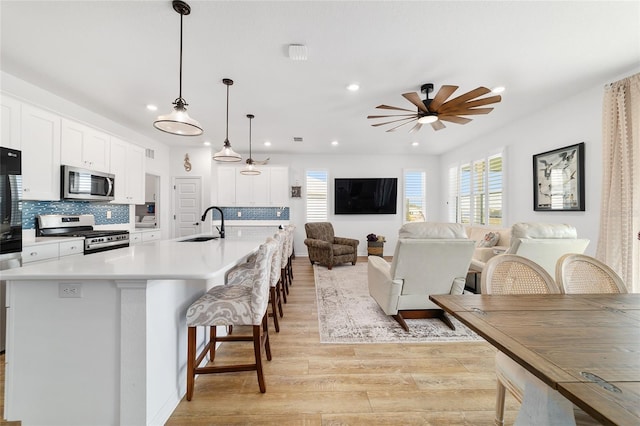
(84, 147)
(10, 126)
(40, 252)
(279, 186)
(150, 235)
(252, 190)
(40, 145)
(135, 237)
(127, 164)
(268, 189)
(226, 185)
(71, 248)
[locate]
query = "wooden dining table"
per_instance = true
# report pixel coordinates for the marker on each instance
(585, 346)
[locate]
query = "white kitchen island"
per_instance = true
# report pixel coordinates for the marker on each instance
(117, 353)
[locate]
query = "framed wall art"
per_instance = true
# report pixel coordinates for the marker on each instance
(558, 179)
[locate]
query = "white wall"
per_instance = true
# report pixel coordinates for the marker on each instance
(27, 92)
(577, 119)
(358, 226)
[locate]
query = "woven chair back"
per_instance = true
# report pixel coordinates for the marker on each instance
(580, 274)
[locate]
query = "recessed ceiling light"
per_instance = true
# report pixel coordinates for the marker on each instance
(206, 143)
(151, 107)
(334, 143)
(498, 89)
(414, 144)
(353, 87)
(267, 143)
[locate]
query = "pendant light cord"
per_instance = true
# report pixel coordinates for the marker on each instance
(180, 90)
(226, 138)
(250, 158)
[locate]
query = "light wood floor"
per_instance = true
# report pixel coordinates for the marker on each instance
(309, 383)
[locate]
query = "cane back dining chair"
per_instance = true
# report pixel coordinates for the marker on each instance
(579, 274)
(513, 274)
(242, 304)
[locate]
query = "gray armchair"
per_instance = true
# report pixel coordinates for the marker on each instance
(327, 249)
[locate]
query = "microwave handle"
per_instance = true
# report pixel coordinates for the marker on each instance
(110, 189)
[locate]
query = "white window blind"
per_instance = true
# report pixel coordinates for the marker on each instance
(476, 192)
(414, 196)
(317, 195)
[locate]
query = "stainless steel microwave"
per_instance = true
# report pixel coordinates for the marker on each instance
(82, 184)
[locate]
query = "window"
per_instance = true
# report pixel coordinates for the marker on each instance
(317, 195)
(415, 209)
(475, 192)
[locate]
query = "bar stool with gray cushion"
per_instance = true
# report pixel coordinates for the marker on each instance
(233, 305)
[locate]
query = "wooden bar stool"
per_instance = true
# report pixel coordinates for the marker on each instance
(229, 305)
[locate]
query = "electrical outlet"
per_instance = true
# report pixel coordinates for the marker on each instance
(239, 214)
(278, 213)
(108, 214)
(69, 290)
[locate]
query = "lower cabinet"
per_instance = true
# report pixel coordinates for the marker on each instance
(52, 251)
(138, 237)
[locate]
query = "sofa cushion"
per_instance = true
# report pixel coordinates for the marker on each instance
(429, 230)
(490, 239)
(543, 230)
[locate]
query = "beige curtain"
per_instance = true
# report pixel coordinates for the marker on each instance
(618, 244)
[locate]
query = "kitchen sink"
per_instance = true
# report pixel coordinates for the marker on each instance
(199, 239)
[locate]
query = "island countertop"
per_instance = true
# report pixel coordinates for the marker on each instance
(156, 260)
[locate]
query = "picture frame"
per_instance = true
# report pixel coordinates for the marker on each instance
(558, 179)
(296, 192)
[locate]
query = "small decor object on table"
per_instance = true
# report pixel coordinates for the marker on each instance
(375, 244)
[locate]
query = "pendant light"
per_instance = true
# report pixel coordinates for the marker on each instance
(227, 154)
(178, 122)
(250, 168)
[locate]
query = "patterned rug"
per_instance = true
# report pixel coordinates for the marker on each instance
(347, 314)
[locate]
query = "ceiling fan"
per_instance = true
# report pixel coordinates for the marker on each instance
(435, 111)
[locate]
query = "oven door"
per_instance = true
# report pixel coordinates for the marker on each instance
(81, 184)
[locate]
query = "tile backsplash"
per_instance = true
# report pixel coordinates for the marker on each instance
(253, 213)
(30, 209)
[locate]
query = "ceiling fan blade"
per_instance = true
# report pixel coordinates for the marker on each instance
(455, 102)
(441, 96)
(454, 119)
(470, 111)
(395, 115)
(394, 108)
(438, 125)
(393, 129)
(471, 104)
(414, 98)
(263, 162)
(415, 128)
(415, 117)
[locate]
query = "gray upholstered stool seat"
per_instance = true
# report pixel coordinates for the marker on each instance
(233, 305)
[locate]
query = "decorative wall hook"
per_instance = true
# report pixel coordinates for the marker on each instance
(187, 163)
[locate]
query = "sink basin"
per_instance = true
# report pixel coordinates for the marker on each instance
(199, 239)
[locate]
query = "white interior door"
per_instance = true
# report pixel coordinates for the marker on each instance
(187, 208)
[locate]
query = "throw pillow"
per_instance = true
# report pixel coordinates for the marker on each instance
(490, 239)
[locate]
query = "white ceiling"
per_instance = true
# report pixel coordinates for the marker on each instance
(115, 57)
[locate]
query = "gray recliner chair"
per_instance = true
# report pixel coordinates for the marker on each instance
(327, 249)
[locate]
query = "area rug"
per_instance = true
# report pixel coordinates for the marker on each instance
(347, 314)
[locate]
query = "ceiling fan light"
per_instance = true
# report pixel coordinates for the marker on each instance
(428, 119)
(227, 154)
(178, 122)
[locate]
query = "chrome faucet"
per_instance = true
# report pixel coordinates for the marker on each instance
(221, 228)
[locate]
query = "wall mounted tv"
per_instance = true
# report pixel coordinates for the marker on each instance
(365, 195)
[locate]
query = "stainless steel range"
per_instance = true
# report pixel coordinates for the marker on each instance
(56, 225)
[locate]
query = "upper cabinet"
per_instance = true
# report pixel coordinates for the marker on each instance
(127, 164)
(85, 147)
(268, 189)
(10, 126)
(40, 146)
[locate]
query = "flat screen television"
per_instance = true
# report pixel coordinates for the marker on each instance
(365, 195)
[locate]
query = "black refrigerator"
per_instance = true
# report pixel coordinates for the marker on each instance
(10, 223)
